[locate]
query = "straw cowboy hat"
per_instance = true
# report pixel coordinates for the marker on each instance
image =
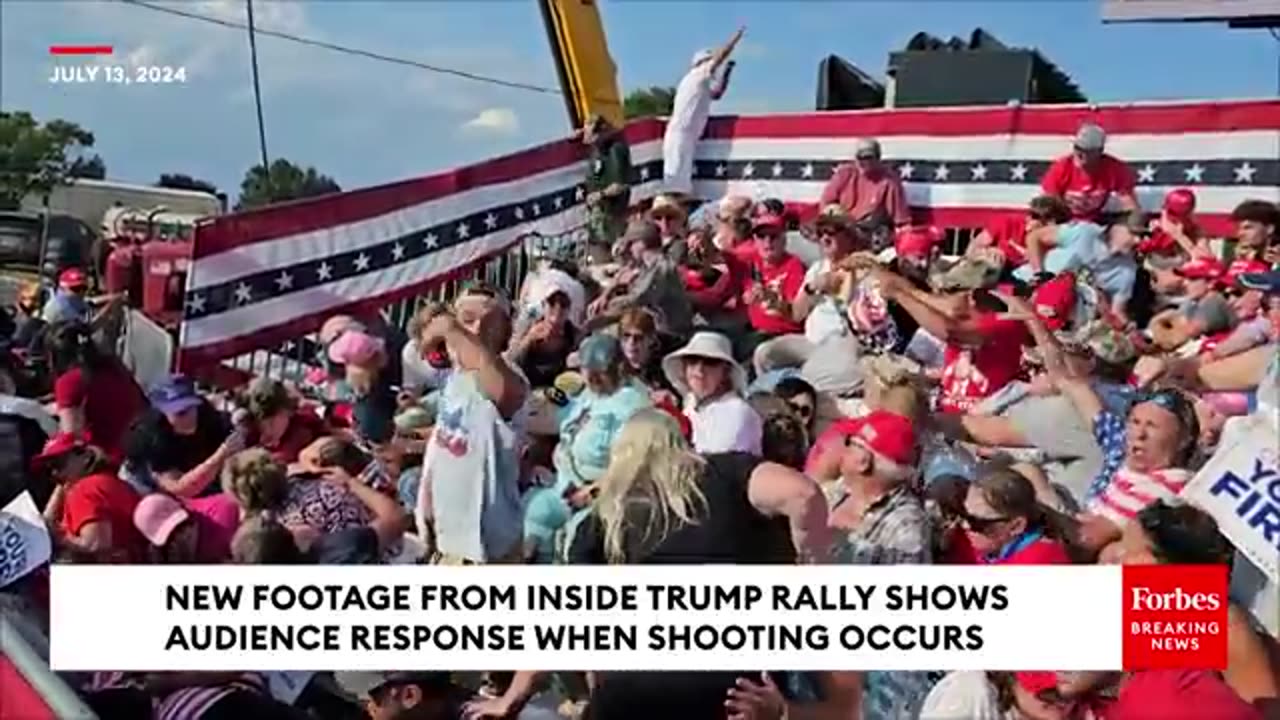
(704, 344)
(834, 216)
(666, 204)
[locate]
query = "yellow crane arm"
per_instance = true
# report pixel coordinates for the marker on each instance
(588, 76)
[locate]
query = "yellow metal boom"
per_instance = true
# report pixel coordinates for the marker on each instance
(587, 73)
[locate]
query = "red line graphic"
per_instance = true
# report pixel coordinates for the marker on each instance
(80, 49)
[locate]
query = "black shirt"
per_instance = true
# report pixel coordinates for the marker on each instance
(212, 429)
(731, 531)
(902, 319)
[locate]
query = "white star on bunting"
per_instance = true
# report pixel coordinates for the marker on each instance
(195, 305)
(941, 173)
(776, 169)
(1018, 172)
(464, 231)
(519, 213)
(578, 195)
(397, 251)
(490, 221)
(537, 209)
(905, 170)
(284, 281)
(1195, 173)
(432, 241)
(978, 172)
(721, 170)
(243, 294)
(558, 202)
(807, 170)
(1244, 173)
(362, 262)
(748, 170)
(324, 271)
(1147, 174)
(644, 173)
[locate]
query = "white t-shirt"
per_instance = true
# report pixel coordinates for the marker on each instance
(471, 474)
(689, 112)
(827, 318)
(726, 424)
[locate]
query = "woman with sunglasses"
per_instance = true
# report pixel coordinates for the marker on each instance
(1007, 525)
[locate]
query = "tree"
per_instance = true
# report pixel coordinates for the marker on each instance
(178, 181)
(285, 182)
(92, 168)
(649, 102)
(35, 157)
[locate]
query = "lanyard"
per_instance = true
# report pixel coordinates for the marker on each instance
(1017, 545)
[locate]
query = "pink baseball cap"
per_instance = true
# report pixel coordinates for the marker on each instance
(157, 516)
(355, 348)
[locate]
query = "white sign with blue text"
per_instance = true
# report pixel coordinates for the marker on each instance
(1240, 487)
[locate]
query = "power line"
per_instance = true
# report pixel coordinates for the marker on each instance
(257, 98)
(369, 54)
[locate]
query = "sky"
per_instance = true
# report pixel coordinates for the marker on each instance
(366, 122)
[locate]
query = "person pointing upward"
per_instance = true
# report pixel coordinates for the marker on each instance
(689, 112)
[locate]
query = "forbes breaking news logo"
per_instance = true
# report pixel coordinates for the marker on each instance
(1175, 617)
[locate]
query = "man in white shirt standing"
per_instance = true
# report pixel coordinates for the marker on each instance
(689, 112)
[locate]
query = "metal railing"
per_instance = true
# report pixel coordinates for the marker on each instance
(293, 359)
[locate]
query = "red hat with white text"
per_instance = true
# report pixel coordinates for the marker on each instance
(889, 437)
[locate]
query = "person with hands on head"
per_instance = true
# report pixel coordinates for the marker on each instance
(469, 495)
(689, 112)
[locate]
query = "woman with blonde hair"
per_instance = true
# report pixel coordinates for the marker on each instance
(660, 503)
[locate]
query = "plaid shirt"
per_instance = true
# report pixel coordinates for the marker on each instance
(894, 531)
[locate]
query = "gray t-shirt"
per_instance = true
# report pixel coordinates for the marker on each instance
(1053, 426)
(1213, 312)
(659, 287)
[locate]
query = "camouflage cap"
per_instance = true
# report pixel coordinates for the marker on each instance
(967, 273)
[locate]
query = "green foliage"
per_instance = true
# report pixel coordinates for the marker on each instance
(35, 157)
(649, 102)
(178, 181)
(284, 182)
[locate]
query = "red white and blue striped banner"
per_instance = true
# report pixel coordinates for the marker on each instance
(267, 276)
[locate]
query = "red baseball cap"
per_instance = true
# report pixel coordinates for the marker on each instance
(1055, 301)
(57, 446)
(1180, 203)
(1243, 267)
(1201, 268)
(768, 221)
(72, 279)
(917, 242)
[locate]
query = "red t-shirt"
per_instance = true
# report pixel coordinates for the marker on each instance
(304, 428)
(1180, 695)
(1010, 237)
(970, 375)
(783, 279)
(111, 400)
(1087, 192)
(1041, 552)
(106, 498)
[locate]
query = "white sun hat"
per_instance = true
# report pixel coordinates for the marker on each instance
(703, 344)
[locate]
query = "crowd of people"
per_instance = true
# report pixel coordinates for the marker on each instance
(688, 390)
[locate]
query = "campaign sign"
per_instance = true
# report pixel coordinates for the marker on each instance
(24, 539)
(1240, 487)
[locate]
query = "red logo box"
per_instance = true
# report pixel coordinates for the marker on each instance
(1175, 617)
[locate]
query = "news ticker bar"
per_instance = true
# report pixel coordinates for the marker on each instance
(637, 617)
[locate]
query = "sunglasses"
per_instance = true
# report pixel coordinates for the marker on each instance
(981, 524)
(804, 410)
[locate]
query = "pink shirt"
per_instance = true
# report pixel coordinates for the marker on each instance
(860, 195)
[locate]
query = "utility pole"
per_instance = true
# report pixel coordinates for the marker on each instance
(257, 99)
